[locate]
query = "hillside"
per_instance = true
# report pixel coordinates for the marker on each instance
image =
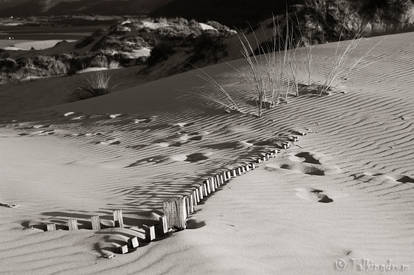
(169, 46)
(128, 43)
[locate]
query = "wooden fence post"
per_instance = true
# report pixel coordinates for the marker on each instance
(234, 172)
(133, 242)
(50, 227)
(175, 212)
(239, 171)
(72, 224)
(228, 175)
(96, 223)
(200, 191)
(118, 219)
(208, 187)
(122, 249)
(149, 232)
(192, 203)
(187, 206)
(222, 178)
(195, 194)
(213, 184)
(161, 225)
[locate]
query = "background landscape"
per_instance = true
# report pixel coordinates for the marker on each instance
(206, 137)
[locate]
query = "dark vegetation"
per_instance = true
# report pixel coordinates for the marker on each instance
(234, 13)
(182, 44)
(93, 85)
(124, 44)
(252, 12)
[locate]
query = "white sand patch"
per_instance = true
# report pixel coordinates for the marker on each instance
(179, 157)
(143, 52)
(69, 114)
(78, 118)
(114, 141)
(12, 48)
(37, 45)
(163, 144)
(153, 25)
(126, 22)
(10, 24)
(113, 116)
(138, 120)
(92, 69)
(184, 137)
(206, 27)
(38, 126)
(181, 124)
(246, 144)
(32, 77)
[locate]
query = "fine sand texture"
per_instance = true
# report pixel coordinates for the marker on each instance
(343, 194)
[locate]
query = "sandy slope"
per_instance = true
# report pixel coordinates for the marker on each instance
(359, 159)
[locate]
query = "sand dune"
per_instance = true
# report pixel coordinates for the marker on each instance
(343, 192)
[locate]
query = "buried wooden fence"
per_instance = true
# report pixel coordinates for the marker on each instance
(175, 211)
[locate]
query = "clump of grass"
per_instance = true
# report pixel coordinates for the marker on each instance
(342, 66)
(224, 98)
(95, 84)
(337, 67)
(269, 77)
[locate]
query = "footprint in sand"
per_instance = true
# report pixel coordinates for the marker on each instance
(110, 142)
(406, 179)
(195, 157)
(382, 181)
(312, 194)
(308, 163)
(44, 133)
(154, 160)
(183, 124)
(179, 139)
(7, 205)
(230, 145)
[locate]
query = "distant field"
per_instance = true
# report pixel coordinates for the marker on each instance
(28, 44)
(47, 32)
(8, 43)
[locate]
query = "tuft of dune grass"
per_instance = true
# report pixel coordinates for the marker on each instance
(95, 84)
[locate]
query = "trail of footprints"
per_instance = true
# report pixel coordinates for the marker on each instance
(122, 238)
(383, 185)
(308, 163)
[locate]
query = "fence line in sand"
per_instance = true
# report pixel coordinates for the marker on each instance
(175, 211)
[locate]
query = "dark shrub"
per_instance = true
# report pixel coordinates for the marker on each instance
(161, 52)
(96, 84)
